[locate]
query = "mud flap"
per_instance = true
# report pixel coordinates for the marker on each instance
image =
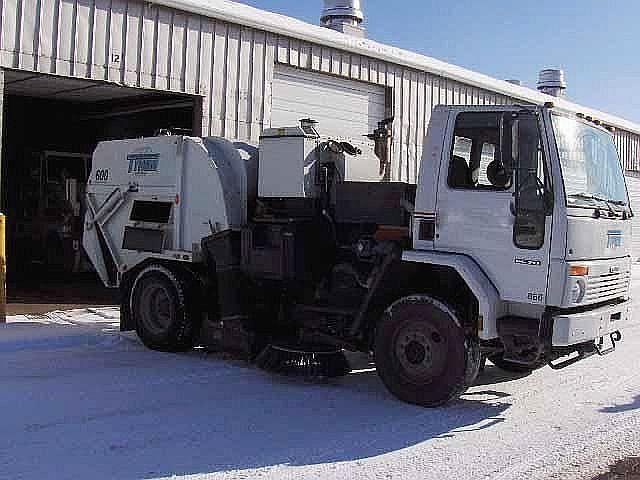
(229, 335)
(225, 326)
(127, 323)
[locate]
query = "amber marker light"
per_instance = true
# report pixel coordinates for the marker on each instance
(578, 271)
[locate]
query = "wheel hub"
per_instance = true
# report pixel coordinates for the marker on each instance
(156, 313)
(415, 352)
(421, 352)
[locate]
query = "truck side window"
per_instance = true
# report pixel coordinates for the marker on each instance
(476, 157)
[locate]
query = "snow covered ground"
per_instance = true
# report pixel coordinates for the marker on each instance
(79, 400)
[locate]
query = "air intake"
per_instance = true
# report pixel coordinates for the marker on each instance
(552, 82)
(343, 16)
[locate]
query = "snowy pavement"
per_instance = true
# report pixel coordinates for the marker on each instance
(79, 400)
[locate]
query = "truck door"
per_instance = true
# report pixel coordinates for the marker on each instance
(493, 203)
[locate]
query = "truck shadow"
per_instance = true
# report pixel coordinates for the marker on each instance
(300, 424)
(493, 375)
(146, 414)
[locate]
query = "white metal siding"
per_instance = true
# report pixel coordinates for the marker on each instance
(145, 45)
(343, 108)
(140, 44)
(633, 184)
(629, 149)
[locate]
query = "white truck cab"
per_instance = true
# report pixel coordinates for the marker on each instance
(535, 200)
(513, 246)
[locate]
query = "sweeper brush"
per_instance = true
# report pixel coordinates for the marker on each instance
(307, 361)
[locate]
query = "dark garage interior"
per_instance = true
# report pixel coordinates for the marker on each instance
(51, 126)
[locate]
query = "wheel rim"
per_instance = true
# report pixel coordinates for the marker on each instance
(421, 352)
(156, 307)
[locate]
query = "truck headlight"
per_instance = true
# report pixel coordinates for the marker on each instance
(578, 290)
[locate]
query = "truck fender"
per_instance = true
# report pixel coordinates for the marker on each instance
(490, 305)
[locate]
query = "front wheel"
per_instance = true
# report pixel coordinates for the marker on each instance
(164, 309)
(421, 352)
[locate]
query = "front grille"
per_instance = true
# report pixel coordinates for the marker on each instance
(601, 288)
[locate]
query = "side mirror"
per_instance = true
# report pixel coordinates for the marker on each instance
(533, 196)
(533, 203)
(529, 230)
(548, 202)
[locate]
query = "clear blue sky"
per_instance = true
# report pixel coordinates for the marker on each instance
(596, 42)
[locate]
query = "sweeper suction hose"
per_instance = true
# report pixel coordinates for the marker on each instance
(307, 361)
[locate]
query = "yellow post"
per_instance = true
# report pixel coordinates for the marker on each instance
(3, 271)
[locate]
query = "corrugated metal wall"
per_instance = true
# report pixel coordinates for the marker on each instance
(629, 147)
(414, 94)
(143, 45)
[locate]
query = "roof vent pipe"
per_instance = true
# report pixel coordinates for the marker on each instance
(551, 81)
(343, 16)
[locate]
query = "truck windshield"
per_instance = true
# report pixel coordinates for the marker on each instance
(590, 164)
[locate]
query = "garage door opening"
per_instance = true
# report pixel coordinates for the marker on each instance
(51, 127)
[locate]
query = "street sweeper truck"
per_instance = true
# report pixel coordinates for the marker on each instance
(513, 246)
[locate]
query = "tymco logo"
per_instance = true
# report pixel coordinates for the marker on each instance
(143, 162)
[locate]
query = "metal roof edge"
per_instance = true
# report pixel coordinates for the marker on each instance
(280, 24)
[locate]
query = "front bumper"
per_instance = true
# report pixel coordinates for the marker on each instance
(574, 328)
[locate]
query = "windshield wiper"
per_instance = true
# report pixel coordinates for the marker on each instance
(590, 196)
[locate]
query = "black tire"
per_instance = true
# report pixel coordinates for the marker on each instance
(126, 320)
(498, 360)
(421, 352)
(164, 308)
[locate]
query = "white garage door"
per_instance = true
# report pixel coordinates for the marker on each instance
(633, 184)
(344, 108)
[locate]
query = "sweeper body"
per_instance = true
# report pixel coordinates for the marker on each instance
(514, 246)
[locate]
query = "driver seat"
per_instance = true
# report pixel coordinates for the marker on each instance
(459, 172)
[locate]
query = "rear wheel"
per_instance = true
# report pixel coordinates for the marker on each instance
(163, 307)
(422, 354)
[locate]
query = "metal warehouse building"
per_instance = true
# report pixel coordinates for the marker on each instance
(75, 72)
